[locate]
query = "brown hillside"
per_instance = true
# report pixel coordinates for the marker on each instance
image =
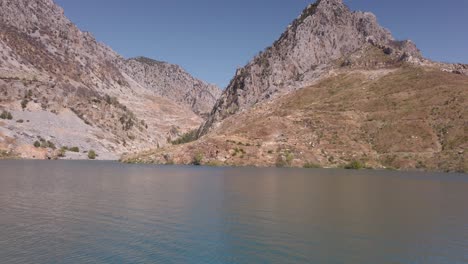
(379, 112)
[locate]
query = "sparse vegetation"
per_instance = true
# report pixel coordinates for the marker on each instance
(284, 160)
(24, 103)
(186, 138)
(6, 115)
(197, 159)
(289, 158)
(112, 100)
(74, 149)
(238, 151)
(420, 165)
(42, 143)
(92, 155)
(49, 144)
(399, 120)
(7, 154)
(280, 162)
(62, 152)
(127, 121)
(355, 165)
(214, 163)
(309, 165)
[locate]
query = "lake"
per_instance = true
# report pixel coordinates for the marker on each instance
(107, 212)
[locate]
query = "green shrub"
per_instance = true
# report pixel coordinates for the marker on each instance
(6, 115)
(74, 149)
(355, 165)
(239, 151)
(49, 144)
(92, 154)
(289, 158)
(214, 163)
(24, 103)
(186, 138)
(62, 152)
(42, 143)
(112, 100)
(284, 160)
(309, 165)
(197, 159)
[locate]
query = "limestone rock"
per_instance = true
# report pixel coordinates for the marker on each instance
(173, 82)
(81, 93)
(324, 32)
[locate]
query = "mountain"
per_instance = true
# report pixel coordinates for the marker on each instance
(62, 86)
(173, 82)
(336, 89)
(325, 31)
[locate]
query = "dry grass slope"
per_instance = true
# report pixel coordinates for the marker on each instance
(403, 118)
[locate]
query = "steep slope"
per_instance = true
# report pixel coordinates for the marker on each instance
(325, 31)
(62, 86)
(173, 82)
(379, 111)
(336, 88)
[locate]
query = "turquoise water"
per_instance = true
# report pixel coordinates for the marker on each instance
(104, 212)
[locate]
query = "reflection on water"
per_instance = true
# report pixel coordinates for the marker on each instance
(101, 212)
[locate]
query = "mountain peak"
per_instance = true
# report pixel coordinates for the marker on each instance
(329, 3)
(324, 32)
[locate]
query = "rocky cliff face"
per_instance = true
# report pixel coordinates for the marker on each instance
(62, 86)
(173, 82)
(324, 32)
(37, 35)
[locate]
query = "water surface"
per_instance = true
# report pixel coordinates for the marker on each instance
(104, 212)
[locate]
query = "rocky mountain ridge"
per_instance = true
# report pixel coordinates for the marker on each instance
(173, 82)
(52, 74)
(324, 32)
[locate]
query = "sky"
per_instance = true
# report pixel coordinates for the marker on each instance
(212, 38)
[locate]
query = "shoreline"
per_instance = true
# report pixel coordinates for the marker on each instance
(237, 166)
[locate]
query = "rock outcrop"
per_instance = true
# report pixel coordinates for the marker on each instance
(324, 32)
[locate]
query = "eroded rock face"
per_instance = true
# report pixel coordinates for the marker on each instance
(324, 32)
(173, 82)
(49, 69)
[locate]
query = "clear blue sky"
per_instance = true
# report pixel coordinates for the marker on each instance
(211, 38)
